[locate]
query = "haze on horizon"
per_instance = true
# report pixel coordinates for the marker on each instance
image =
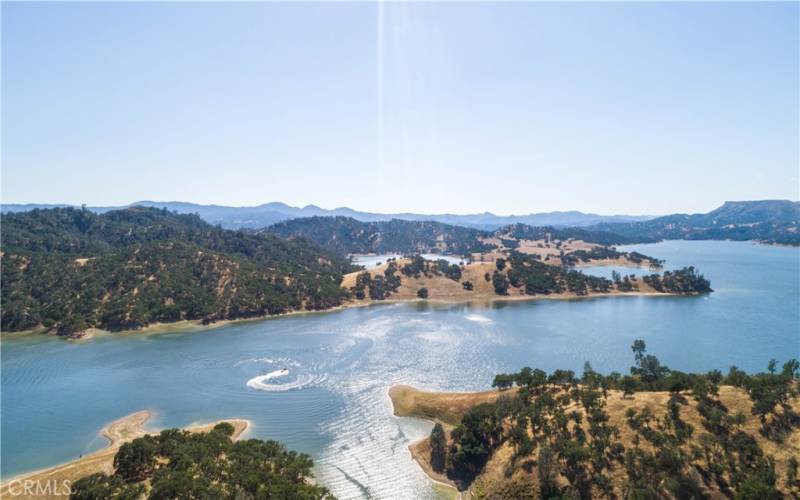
(632, 108)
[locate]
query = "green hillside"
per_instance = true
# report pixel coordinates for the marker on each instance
(68, 269)
(346, 235)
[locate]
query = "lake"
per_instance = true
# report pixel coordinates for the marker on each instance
(319, 382)
(373, 260)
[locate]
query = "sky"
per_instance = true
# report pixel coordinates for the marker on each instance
(637, 108)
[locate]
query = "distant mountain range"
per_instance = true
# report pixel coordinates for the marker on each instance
(271, 213)
(770, 221)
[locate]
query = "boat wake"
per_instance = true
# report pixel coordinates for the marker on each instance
(262, 383)
(284, 379)
(478, 318)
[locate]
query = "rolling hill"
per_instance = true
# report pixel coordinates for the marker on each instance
(346, 235)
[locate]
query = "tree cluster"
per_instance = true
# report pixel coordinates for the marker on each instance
(534, 277)
(604, 252)
(378, 287)
(179, 464)
(684, 281)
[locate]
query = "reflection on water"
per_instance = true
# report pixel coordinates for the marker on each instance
(319, 382)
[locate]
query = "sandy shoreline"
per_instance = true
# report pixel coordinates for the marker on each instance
(404, 405)
(118, 432)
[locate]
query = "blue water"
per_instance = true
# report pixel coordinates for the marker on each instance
(326, 393)
(373, 260)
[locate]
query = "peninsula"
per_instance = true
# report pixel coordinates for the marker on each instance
(654, 433)
(56, 482)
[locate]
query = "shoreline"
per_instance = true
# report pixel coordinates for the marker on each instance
(185, 326)
(445, 408)
(615, 263)
(182, 326)
(415, 447)
(116, 433)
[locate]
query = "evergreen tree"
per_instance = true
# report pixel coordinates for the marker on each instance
(438, 448)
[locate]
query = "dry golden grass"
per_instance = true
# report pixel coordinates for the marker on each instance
(545, 249)
(439, 287)
(444, 407)
(443, 289)
(448, 408)
(53, 482)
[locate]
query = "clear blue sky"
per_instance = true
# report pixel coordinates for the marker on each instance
(644, 108)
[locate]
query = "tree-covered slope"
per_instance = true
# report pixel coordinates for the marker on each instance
(72, 269)
(601, 237)
(346, 235)
(181, 464)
